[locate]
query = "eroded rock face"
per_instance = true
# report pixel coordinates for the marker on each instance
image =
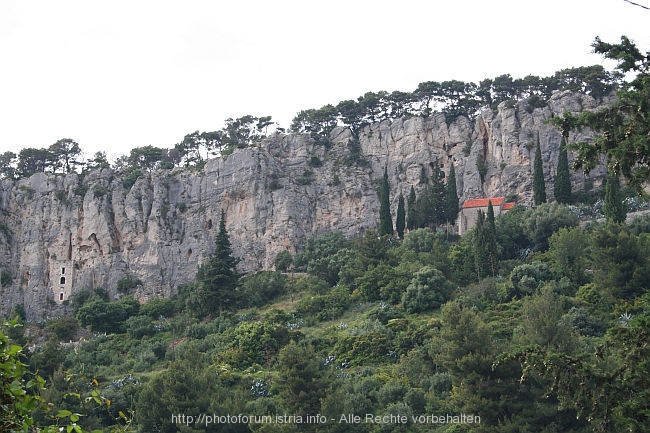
(275, 196)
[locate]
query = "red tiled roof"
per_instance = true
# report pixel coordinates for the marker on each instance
(508, 206)
(483, 202)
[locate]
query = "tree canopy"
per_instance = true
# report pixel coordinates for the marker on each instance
(623, 128)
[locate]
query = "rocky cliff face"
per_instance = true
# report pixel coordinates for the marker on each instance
(274, 195)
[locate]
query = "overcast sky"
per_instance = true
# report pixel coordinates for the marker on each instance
(113, 75)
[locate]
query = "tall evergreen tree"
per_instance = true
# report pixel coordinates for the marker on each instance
(400, 221)
(217, 278)
(411, 217)
(562, 187)
(451, 200)
(539, 186)
(480, 246)
(438, 195)
(431, 203)
(491, 240)
(486, 257)
(614, 208)
(385, 218)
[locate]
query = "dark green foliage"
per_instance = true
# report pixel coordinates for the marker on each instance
(5, 279)
(65, 154)
(319, 247)
(527, 278)
(125, 284)
(562, 186)
(385, 218)
(583, 322)
(614, 208)
(258, 289)
(608, 387)
(622, 128)
(98, 162)
(315, 161)
(371, 347)
(283, 261)
(620, 260)
(301, 381)
(486, 255)
(431, 205)
(452, 206)
(130, 179)
(216, 279)
(159, 307)
(63, 327)
(7, 165)
(139, 326)
(400, 220)
(329, 268)
(568, 255)
(545, 220)
(428, 289)
(481, 166)
(328, 306)
(539, 185)
(104, 316)
(412, 217)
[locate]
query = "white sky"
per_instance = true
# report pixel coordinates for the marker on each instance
(113, 75)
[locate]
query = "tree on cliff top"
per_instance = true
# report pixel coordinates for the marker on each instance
(623, 128)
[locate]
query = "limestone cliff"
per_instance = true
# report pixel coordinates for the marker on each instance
(275, 196)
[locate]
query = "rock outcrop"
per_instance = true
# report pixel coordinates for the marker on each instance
(275, 196)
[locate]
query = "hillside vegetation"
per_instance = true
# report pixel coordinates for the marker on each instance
(542, 331)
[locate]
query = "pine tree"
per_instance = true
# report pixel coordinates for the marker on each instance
(385, 218)
(614, 208)
(451, 200)
(539, 186)
(412, 217)
(401, 217)
(562, 187)
(217, 278)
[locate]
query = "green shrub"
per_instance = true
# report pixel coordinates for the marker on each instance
(126, 284)
(139, 326)
(159, 307)
(131, 178)
(63, 327)
(5, 279)
(315, 161)
(275, 184)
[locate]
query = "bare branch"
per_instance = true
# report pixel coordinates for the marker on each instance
(636, 4)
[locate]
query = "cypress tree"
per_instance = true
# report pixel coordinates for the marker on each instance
(412, 217)
(481, 252)
(385, 218)
(614, 209)
(562, 187)
(539, 186)
(491, 239)
(400, 222)
(451, 200)
(438, 196)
